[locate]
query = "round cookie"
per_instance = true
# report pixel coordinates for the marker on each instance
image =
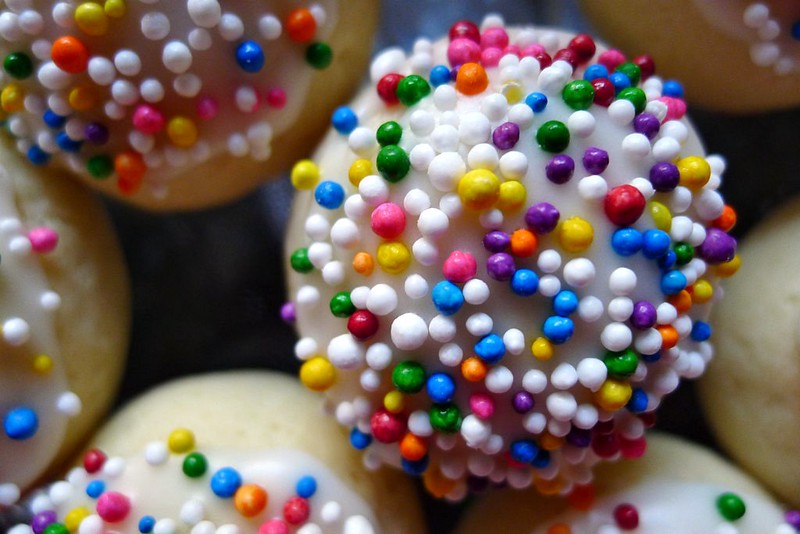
(64, 320)
(240, 451)
(498, 271)
(737, 56)
(676, 487)
(177, 105)
(751, 393)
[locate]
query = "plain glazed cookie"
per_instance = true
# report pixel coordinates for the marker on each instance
(177, 104)
(64, 320)
(677, 487)
(738, 56)
(243, 451)
(751, 395)
(499, 270)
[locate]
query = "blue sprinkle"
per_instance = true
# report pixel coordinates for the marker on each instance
(620, 81)
(558, 329)
(329, 195)
(523, 451)
(796, 31)
(37, 156)
(701, 331)
(53, 119)
(626, 241)
(447, 297)
(542, 459)
(672, 88)
(650, 358)
(146, 524)
(95, 488)
(66, 144)
(524, 282)
(250, 56)
(306, 487)
(415, 467)
(225, 482)
(344, 120)
(440, 387)
(440, 75)
(668, 260)
(21, 423)
(595, 71)
(536, 101)
(655, 244)
(638, 401)
(491, 348)
(565, 302)
(360, 440)
(673, 282)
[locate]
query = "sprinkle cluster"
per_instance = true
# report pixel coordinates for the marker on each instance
(108, 493)
(120, 88)
(511, 248)
(776, 41)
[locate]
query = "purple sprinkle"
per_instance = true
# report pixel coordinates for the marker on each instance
(644, 315)
(500, 266)
(793, 518)
(579, 437)
(523, 402)
(647, 124)
(288, 312)
(664, 176)
(718, 247)
(96, 133)
(496, 241)
(506, 135)
(595, 160)
(559, 169)
(542, 218)
(42, 520)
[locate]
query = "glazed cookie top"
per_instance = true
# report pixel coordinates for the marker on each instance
(503, 257)
(35, 405)
(136, 91)
(174, 486)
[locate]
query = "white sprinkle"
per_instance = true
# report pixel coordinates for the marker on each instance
(416, 287)
(586, 416)
(176, 57)
(356, 208)
(156, 453)
(374, 190)
(16, 331)
(561, 405)
(499, 379)
(433, 223)
(419, 422)
(579, 272)
(636, 146)
(345, 352)
(592, 373)
(564, 376)
(534, 422)
(362, 141)
(231, 27)
(666, 149)
(616, 337)
(593, 187)
(425, 251)
(621, 112)
(345, 233)
(450, 355)
(379, 356)
(474, 431)
(483, 156)
(549, 285)
(648, 342)
(270, 27)
(445, 138)
(513, 165)
(622, 281)
(581, 123)
(620, 309)
(421, 157)
(421, 122)
(204, 13)
(479, 324)
(155, 25)
(476, 292)
(548, 261)
(192, 512)
(382, 300)
(514, 340)
(69, 404)
(151, 90)
(442, 328)
(535, 381)
(416, 201)
(409, 331)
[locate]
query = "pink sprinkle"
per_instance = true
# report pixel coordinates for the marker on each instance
(611, 59)
(481, 405)
(113, 507)
(532, 50)
(274, 526)
(207, 108)
(512, 49)
(148, 119)
(490, 57)
(633, 448)
(276, 98)
(676, 107)
(460, 267)
(388, 220)
(43, 239)
(463, 50)
(494, 38)
(296, 510)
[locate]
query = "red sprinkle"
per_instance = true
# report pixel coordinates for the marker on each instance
(296, 511)
(646, 65)
(604, 91)
(362, 324)
(626, 516)
(466, 29)
(387, 88)
(584, 46)
(624, 205)
(93, 460)
(387, 427)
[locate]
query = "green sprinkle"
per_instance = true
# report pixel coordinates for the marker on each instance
(341, 305)
(300, 262)
(412, 89)
(632, 71)
(578, 94)
(622, 363)
(194, 465)
(393, 163)
(553, 136)
(18, 65)
(319, 55)
(684, 253)
(636, 97)
(730, 506)
(408, 377)
(389, 133)
(100, 167)
(445, 418)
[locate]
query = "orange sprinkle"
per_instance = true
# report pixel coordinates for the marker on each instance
(473, 369)
(471, 79)
(70, 54)
(300, 25)
(363, 263)
(682, 301)
(250, 499)
(669, 336)
(581, 497)
(437, 484)
(560, 528)
(413, 447)
(523, 243)
(130, 168)
(727, 220)
(548, 487)
(550, 442)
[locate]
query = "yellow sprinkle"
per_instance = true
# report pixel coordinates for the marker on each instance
(182, 132)
(513, 92)
(613, 395)
(702, 291)
(363, 263)
(662, 217)
(575, 234)
(729, 268)
(360, 169)
(393, 257)
(549, 442)
(542, 349)
(512, 195)
(394, 402)
(42, 364)
(479, 189)
(695, 172)
(81, 98)
(180, 440)
(12, 99)
(115, 8)
(75, 517)
(91, 18)
(305, 174)
(317, 374)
